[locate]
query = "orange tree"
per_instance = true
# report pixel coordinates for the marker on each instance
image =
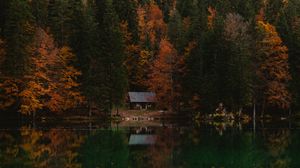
(163, 75)
(273, 69)
(51, 82)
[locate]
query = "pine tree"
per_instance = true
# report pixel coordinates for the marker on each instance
(127, 12)
(239, 81)
(9, 88)
(2, 55)
(185, 7)
(294, 45)
(112, 70)
(77, 20)
(200, 79)
(18, 33)
(87, 52)
(40, 12)
(175, 30)
(61, 13)
(3, 16)
(132, 57)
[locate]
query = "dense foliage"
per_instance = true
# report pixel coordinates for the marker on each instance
(63, 54)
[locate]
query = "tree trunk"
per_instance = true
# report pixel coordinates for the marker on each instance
(263, 108)
(33, 119)
(254, 117)
(90, 109)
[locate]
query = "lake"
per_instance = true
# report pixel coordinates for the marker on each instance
(151, 144)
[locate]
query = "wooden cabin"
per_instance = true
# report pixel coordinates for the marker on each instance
(141, 100)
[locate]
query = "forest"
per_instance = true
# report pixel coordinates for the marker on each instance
(61, 55)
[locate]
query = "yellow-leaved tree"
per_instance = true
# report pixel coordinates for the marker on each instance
(64, 91)
(273, 68)
(51, 82)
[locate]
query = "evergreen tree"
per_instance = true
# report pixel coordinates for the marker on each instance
(175, 30)
(76, 25)
(40, 12)
(240, 72)
(184, 7)
(127, 11)
(60, 13)
(111, 57)
(200, 79)
(294, 60)
(18, 33)
(91, 61)
(3, 15)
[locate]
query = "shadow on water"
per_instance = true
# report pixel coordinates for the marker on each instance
(151, 144)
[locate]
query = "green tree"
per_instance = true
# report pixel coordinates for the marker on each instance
(194, 26)
(64, 19)
(87, 52)
(240, 72)
(127, 11)
(107, 148)
(40, 12)
(111, 58)
(175, 30)
(3, 15)
(18, 33)
(294, 45)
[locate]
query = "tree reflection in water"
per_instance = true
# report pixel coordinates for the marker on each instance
(105, 148)
(184, 147)
(277, 144)
(10, 153)
(161, 153)
(39, 149)
(53, 148)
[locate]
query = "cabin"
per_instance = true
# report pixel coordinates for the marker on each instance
(141, 100)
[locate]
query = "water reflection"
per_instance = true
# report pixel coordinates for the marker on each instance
(173, 146)
(278, 142)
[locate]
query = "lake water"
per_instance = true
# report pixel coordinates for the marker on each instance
(150, 145)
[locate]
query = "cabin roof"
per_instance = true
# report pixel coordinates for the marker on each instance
(142, 139)
(142, 97)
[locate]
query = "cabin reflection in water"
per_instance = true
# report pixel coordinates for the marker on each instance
(141, 136)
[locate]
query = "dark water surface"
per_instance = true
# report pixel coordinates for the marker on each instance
(150, 145)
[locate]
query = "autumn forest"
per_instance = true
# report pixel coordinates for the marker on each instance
(57, 56)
